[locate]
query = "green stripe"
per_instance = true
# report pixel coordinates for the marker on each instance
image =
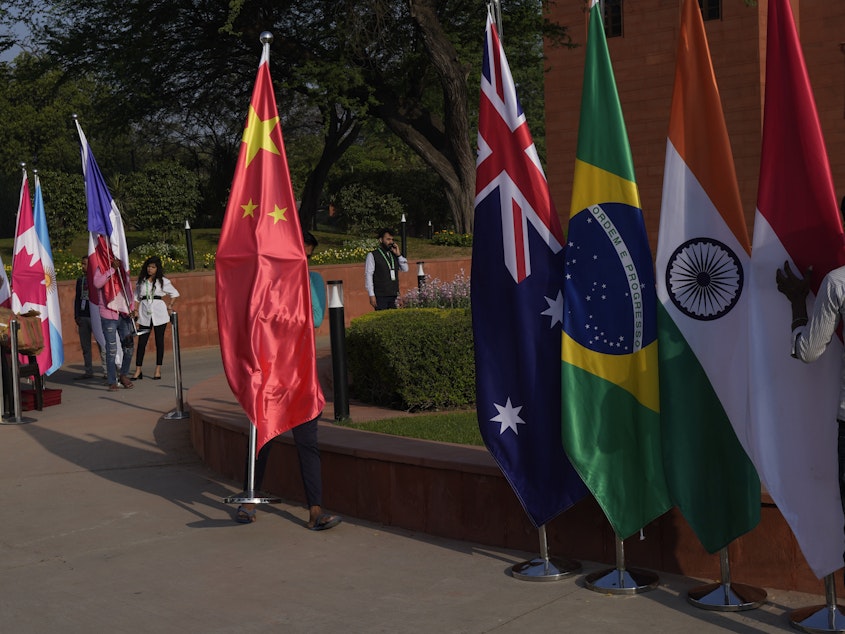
(614, 444)
(710, 477)
(602, 137)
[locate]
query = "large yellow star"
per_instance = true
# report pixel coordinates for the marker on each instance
(278, 214)
(257, 135)
(249, 209)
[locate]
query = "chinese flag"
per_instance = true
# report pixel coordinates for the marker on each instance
(263, 297)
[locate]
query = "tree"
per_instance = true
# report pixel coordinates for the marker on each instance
(160, 198)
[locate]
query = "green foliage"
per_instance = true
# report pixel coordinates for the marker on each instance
(459, 427)
(64, 206)
(161, 197)
(413, 359)
(362, 211)
(452, 239)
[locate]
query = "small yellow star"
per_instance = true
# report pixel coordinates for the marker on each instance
(278, 214)
(257, 135)
(249, 208)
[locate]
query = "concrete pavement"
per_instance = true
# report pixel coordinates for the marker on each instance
(111, 524)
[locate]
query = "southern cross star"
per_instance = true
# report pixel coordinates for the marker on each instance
(508, 417)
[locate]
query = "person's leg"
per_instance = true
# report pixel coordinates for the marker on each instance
(159, 335)
(841, 449)
(127, 344)
(384, 302)
(84, 330)
(110, 334)
(246, 512)
(305, 437)
(142, 347)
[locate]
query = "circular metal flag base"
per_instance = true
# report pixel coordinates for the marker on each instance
(818, 618)
(551, 569)
(176, 415)
(252, 497)
(731, 597)
(615, 581)
(19, 421)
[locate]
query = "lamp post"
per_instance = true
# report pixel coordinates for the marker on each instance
(420, 275)
(404, 234)
(337, 336)
(190, 244)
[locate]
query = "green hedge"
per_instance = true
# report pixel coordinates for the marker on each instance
(413, 358)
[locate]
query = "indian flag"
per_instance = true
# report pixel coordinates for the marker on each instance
(793, 429)
(611, 409)
(703, 253)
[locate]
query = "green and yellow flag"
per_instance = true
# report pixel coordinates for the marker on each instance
(610, 419)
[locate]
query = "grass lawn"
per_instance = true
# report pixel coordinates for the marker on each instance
(459, 427)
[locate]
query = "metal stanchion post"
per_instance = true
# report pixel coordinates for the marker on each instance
(420, 275)
(189, 241)
(404, 235)
(545, 568)
(619, 580)
(726, 596)
(820, 618)
(337, 334)
(178, 413)
(16, 376)
(430, 231)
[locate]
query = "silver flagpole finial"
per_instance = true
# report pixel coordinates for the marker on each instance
(266, 37)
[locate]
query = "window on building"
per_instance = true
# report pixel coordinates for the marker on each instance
(711, 9)
(612, 17)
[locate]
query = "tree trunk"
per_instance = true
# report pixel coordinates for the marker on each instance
(342, 131)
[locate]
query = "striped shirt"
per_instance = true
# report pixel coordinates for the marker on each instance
(810, 341)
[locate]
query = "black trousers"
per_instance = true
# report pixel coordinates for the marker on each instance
(305, 438)
(142, 344)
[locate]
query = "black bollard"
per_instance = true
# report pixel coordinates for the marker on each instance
(404, 235)
(420, 275)
(430, 231)
(190, 244)
(337, 334)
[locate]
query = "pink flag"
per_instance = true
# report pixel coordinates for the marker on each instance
(29, 279)
(792, 437)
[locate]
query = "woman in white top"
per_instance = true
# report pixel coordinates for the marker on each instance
(152, 312)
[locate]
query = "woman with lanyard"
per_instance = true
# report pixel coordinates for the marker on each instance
(152, 311)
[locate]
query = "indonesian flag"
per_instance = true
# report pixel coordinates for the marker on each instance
(263, 298)
(30, 277)
(793, 430)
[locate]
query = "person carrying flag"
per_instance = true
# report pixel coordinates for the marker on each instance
(115, 324)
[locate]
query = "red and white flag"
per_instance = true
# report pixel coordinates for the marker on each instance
(792, 437)
(29, 278)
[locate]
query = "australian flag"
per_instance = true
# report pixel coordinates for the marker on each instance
(517, 301)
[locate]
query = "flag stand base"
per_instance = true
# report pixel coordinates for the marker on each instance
(731, 597)
(551, 569)
(615, 581)
(252, 497)
(176, 415)
(820, 618)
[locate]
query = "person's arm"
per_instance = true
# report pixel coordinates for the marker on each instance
(100, 277)
(169, 290)
(369, 269)
(403, 264)
(318, 297)
(76, 300)
(810, 335)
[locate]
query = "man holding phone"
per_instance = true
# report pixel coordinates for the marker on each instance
(381, 271)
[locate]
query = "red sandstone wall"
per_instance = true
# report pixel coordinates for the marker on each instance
(197, 310)
(643, 61)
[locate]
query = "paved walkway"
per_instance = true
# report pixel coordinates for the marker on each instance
(111, 524)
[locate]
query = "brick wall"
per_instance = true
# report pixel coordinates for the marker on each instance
(197, 310)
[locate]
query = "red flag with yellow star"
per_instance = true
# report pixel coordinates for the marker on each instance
(263, 298)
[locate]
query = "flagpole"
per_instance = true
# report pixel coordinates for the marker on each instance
(726, 596)
(620, 580)
(545, 568)
(820, 618)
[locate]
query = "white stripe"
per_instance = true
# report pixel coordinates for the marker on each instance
(793, 431)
